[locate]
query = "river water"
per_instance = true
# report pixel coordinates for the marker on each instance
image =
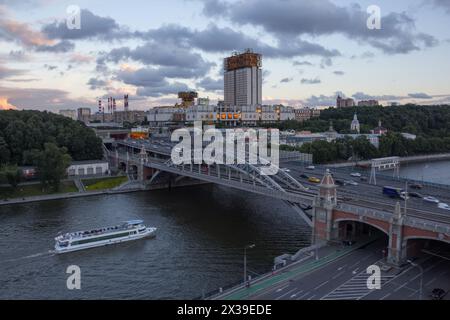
(199, 247)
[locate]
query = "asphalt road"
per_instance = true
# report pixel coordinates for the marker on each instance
(346, 279)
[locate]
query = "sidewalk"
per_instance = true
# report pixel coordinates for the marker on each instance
(300, 268)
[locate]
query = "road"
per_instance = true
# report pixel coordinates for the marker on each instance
(346, 279)
(365, 191)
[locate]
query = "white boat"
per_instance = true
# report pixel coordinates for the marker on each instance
(128, 231)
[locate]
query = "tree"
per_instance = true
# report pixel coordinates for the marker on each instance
(12, 174)
(4, 151)
(52, 164)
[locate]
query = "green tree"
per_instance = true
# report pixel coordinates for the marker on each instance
(12, 174)
(52, 164)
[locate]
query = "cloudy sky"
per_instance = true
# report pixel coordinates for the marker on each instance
(312, 50)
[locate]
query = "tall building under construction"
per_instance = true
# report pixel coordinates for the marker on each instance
(243, 79)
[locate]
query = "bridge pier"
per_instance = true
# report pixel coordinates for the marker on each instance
(323, 207)
(397, 248)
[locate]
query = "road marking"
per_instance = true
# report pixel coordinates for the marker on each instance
(303, 296)
(282, 288)
(283, 295)
(339, 269)
(355, 271)
(296, 294)
(321, 285)
(312, 297)
(386, 296)
(430, 282)
(338, 275)
(355, 288)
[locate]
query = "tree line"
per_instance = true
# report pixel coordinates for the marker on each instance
(46, 141)
(431, 125)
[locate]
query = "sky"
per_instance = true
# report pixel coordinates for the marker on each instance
(312, 51)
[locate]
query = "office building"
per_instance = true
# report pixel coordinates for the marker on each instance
(243, 79)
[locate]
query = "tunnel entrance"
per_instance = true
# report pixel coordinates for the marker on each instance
(351, 232)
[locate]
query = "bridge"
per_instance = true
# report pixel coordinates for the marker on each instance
(334, 213)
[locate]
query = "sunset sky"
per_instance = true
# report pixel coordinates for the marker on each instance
(312, 50)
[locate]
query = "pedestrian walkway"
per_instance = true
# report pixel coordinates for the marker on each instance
(356, 288)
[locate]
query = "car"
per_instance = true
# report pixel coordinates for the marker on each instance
(311, 168)
(304, 176)
(356, 174)
(431, 199)
(416, 186)
(415, 195)
(438, 294)
(314, 180)
(339, 182)
(444, 206)
(351, 182)
(364, 179)
(286, 170)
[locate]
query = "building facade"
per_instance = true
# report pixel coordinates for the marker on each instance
(303, 114)
(368, 103)
(84, 114)
(344, 103)
(88, 168)
(243, 79)
(69, 113)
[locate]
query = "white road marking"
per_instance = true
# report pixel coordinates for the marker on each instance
(281, 289)
(338, 275)
(321, 285)
(283, 295)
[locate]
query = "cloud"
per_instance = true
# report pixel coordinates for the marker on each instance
(92, 26)
(293, 19)
(63, 46)
(41, 99)
(95, 84)
(23, 34)
(364, 96)
(420, 96)
(301, 63)
(5, 105)
(219, 40)
(6, 72)
(210, 84)
(339, 73)
(311, 81)
(50, 67)
(321, 100)
(445, 4)
(164, 88)
(153, 82)
(286, 80)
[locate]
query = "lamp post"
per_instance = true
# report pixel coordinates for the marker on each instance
(421, 277)
(245, 260)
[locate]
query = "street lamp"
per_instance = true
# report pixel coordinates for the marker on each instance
(245, 260)
(421, 277)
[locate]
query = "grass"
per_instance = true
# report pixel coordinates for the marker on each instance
(35, 190)
(104, 184)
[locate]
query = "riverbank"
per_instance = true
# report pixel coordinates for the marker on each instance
(135, 187)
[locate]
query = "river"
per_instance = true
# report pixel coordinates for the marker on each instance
(199, 246)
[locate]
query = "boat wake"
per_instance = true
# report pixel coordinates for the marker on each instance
(33, 256)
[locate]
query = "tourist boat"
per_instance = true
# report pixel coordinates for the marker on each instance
(128, 231)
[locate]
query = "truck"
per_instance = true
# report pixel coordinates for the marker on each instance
(394, 192)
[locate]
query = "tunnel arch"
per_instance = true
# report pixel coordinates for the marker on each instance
(342, 220)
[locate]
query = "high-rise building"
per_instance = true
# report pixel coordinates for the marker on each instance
(243, 79)
(69, 113)
(84, 114)
(344, 103)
